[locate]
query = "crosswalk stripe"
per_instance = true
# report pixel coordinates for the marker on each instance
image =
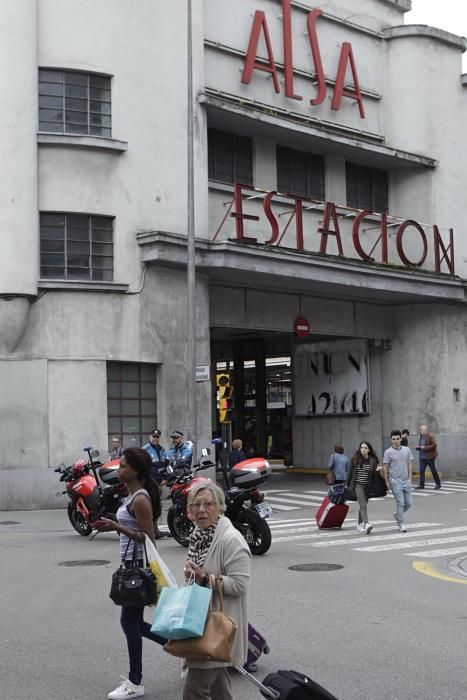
(455, 483)
(439, 552)
(289, 500)
(332, 535)
(278, 506)
(311, 498)
(394, 536)
(280, 521)
(408, 545)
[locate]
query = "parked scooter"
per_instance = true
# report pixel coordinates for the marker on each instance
(93, 489)
(246, 507)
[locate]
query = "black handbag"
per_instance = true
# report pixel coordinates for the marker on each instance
(349, 494)
(377, 487)
(292, 685)
(133, 586)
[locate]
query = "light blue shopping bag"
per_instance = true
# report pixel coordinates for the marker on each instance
(181, 612)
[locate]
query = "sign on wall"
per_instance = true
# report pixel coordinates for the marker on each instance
(331, 379)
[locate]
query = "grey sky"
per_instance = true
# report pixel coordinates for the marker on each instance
(450, 15)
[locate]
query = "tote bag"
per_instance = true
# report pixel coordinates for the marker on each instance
(216, 644)
(181, 612)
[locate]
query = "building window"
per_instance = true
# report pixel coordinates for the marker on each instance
(300, 174)
(367, 188)
(131, 402)
(76, 247)
(74, 103)
(230, 157)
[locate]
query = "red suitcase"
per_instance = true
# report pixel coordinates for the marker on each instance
(331, 515)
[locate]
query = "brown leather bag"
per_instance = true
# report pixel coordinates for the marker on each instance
(217, 640)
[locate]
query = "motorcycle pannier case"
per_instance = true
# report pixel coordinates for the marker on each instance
(250, 473)
(257, 645)
(331, 515)
(291, 685)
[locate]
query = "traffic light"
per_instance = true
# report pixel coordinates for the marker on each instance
(224, 397)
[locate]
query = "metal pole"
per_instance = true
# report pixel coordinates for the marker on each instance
(191, 264)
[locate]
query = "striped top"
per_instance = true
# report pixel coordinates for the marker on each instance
(125, 518)
(364, 473)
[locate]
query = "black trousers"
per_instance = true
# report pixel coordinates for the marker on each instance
(424, 463)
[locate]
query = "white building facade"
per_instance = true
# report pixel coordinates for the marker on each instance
(329, 176)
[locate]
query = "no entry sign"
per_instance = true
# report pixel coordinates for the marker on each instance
(302, 327)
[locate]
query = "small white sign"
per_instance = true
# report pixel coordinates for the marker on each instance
(203, 374)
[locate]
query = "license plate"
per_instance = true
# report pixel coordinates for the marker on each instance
(264, 509)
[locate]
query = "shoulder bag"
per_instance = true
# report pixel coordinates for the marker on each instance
(217, 641)
(330, 476)
(133, 586)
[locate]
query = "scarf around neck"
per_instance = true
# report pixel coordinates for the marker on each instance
(200, 541)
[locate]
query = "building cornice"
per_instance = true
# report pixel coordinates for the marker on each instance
(410, 31)
(86, 142)
(276, 268)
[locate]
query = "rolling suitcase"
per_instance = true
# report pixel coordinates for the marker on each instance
(288, 685)
(257, 645)
(331, 515)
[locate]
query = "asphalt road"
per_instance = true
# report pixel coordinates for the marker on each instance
(376, 628)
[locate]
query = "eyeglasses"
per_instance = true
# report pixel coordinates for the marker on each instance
(202, 504)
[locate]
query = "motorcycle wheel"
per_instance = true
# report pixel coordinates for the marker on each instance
(180, 527)
(255, 530)
(78, 522)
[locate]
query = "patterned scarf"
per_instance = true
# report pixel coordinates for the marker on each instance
(200, 541)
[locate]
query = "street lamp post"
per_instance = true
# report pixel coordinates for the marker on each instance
(191, 263)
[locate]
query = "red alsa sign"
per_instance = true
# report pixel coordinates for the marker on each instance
(346, 61)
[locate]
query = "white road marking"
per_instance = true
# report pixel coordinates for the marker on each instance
(407, 544)
(289, 500)
(394, 536)
(439, 552)
(333, 534)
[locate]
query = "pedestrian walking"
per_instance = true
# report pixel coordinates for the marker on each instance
(405, 437)
(135, 518)
(363, 468)
(338, 465)
(216, 547)
(397, 464)
(427, 453)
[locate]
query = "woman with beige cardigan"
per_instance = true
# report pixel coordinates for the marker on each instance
(216, 547)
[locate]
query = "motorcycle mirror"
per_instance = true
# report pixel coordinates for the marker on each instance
(170, 470)
(205, 451)
(94, 453)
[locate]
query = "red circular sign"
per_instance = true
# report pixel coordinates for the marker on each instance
(302, 327)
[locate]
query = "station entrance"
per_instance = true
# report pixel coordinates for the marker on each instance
(252, 391)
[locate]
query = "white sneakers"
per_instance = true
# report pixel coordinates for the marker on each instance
(402, 528)
(368, 528)
(364, 527)
(361, 527)
(126, 690)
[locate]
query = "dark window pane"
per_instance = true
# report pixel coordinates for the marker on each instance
(72, 78)
(99, 94)
(79, 105)
(102, 249)
(77, 221)
(76, 117)
(99, 107)
(99, 81)
(300, 173)
(105, 276)
(51, 259)
(113, 389)
(51, 89)
(50, 115)
(99, 131)
(76, 91)
(76, 129)
(51, 76)
(55, 127)
(53, 232)
(100, 119)
(75, 273)
(148, 374)
(52, 246)
(77, 247)
(230, 157)
(52, 273)
(53, 219)
(50, 102)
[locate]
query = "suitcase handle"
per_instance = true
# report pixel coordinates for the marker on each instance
(266, 691)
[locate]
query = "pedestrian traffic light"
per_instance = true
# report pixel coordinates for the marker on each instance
(224, 397)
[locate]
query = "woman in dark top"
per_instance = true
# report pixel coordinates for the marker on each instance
(135, 518)
(363, 467)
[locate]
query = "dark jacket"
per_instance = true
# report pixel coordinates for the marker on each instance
(352, 471)
(235, 457)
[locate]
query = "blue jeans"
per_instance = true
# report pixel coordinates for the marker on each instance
(402, 492)
(135, 628)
